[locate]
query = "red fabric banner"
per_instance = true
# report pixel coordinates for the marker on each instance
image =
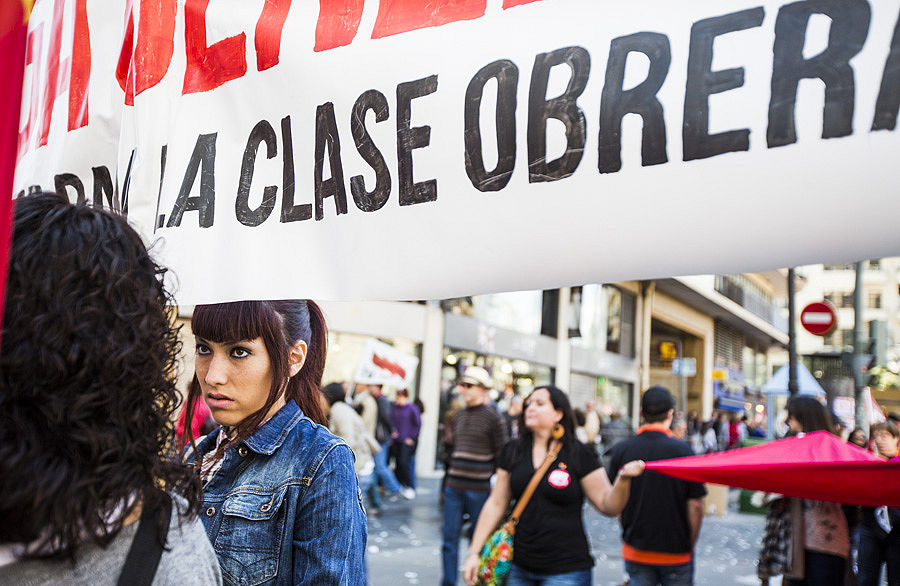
(13, 29)
(816, 466)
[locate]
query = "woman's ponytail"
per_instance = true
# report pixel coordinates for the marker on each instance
(310, 376)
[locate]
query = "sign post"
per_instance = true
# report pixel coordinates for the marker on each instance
(684, 367)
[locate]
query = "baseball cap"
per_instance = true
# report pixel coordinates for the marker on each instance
(656, 400)
(477, 376)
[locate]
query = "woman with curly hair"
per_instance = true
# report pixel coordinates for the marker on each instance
(87, 399)
(280, 496)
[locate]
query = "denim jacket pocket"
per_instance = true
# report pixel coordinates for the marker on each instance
(249, 539)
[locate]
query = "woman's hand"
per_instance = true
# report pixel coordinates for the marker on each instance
(632, 469)
(470, 568)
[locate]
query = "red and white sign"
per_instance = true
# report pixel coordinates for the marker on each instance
(382, 364)
(819, 318)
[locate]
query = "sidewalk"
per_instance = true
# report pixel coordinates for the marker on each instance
(405, 545)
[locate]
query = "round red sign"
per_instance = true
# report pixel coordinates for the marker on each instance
(819, 318)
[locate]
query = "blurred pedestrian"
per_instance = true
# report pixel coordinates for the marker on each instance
(679, 429)
(407, 421)
(580, 419)
(476, 435)
(281, 496)
(591, 424)
(879, 532)
(347, 424)
(858, 437)
(550, 545)
(614, 431)
(818, 545)
(723, 430)
(709, 442)
(661, 521)
(511, 417)
(91, 487)
(384, 432)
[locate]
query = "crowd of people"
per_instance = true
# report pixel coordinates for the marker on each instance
(260, 479)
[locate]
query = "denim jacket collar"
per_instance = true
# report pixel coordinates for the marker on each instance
(273, 432)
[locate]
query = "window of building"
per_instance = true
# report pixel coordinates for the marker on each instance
(833, 298)
(520, 311)
(847, 266)
(875, 264)
(846, 337)
(605, 318)
(874, 300)
(846, 300)
(620, 321)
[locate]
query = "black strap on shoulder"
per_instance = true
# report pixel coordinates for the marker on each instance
(147, 547)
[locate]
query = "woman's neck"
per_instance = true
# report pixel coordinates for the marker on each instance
(541, 436)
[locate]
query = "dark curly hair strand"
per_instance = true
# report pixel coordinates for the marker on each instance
(87, 381)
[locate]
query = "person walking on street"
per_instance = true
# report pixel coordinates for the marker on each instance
(661, 520)
(476, 435)
(879, 531)
(407, 421)
(346, 423)
(819, 537)
(550, 545)
(384, 429)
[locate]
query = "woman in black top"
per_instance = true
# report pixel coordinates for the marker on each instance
(550, 545)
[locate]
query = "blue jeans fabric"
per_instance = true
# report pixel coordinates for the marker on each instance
(875, 549)
(456, 504)
(519, 577)
(383, 472)
(647, 575)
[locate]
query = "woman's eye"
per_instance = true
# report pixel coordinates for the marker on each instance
(203, 350)
(240, 352)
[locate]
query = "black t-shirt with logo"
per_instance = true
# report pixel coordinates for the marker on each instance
(655, 518)
(550, 537)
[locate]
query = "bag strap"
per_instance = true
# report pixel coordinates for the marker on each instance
(552, 453)
(147, 547)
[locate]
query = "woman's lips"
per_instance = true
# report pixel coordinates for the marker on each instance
(217, 401)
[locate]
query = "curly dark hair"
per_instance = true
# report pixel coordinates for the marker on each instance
(87, 381)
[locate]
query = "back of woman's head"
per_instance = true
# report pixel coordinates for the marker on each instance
(87, 369)
(280, 324)
(810, 413)
(334, 393)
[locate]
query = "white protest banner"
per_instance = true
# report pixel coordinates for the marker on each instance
(415, 149)
(382, 364)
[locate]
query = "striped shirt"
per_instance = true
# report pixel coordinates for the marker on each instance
(478, 438)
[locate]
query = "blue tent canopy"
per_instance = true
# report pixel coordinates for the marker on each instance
(806, 383)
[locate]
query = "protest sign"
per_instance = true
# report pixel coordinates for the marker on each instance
(382, 364)
(426, 149)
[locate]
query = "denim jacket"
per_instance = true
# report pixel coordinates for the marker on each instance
(285, 508)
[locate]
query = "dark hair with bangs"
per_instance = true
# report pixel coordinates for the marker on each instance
(87, 381)
(280, 324)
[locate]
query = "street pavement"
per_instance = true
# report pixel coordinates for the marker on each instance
(405, 545)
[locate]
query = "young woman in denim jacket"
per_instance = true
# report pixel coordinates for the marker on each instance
(280, 496)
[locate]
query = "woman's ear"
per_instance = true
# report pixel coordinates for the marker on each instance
(296, 357)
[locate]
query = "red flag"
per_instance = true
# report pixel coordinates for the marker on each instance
(13, 29)
(816, 466)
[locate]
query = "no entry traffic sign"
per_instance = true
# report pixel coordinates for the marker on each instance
(819, 318)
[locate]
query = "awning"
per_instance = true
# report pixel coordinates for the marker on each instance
(806, 383)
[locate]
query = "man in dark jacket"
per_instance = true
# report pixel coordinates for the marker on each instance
(661, 521)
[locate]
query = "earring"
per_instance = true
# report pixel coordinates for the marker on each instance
(558, 431)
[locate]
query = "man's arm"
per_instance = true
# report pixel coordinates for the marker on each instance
(500, 437)
(695, 518)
